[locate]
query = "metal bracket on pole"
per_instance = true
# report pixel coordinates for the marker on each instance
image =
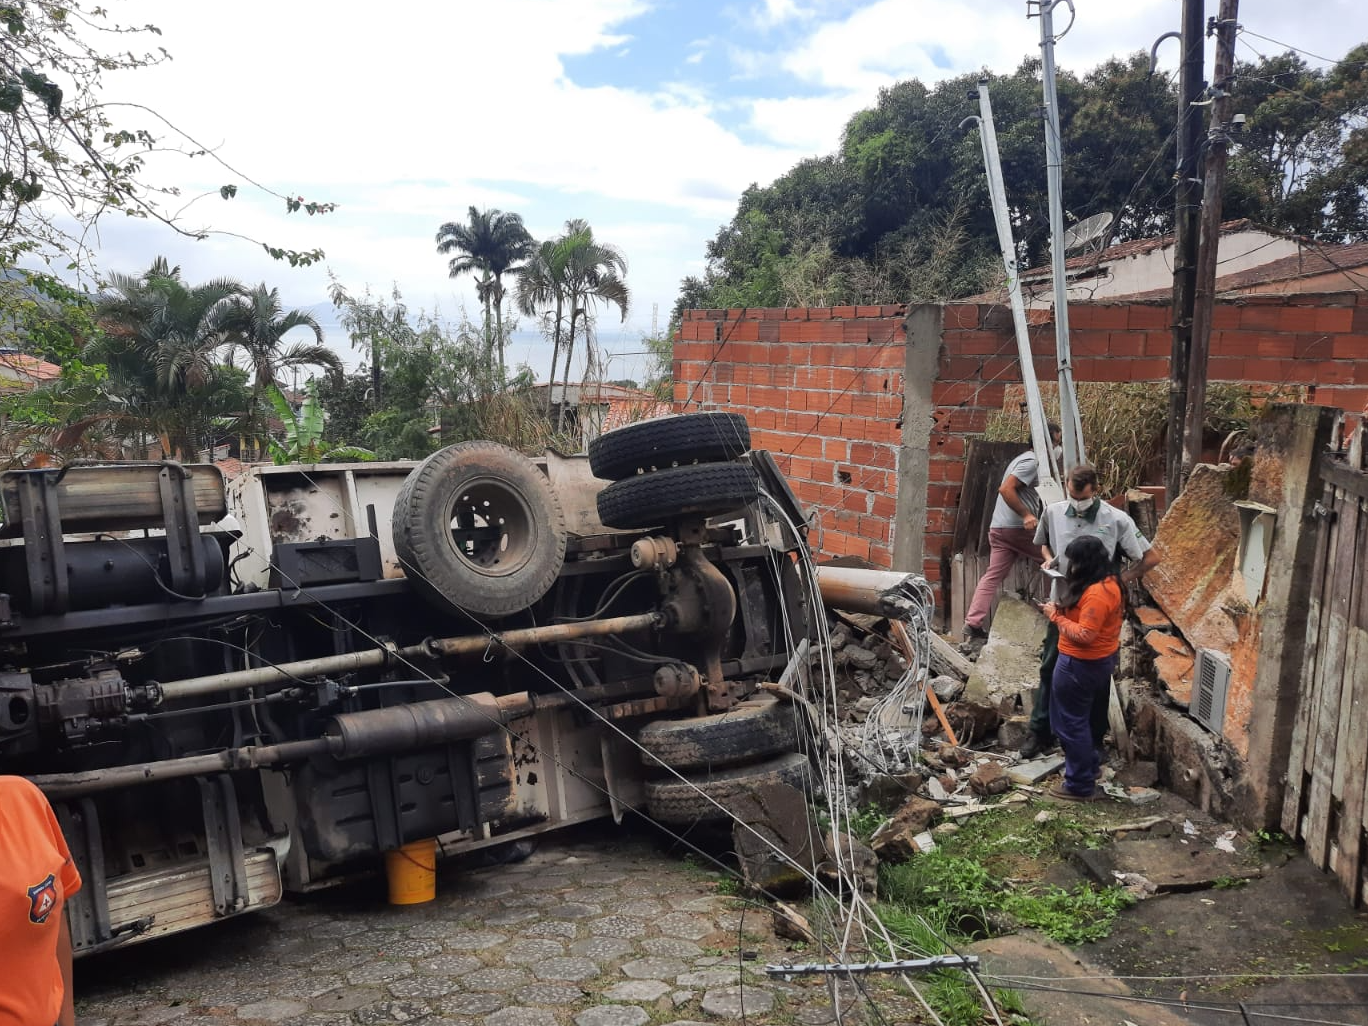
(908, 965)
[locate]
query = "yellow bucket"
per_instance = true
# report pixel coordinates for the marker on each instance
(411, 872)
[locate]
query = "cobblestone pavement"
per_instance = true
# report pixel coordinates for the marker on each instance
(595, 932)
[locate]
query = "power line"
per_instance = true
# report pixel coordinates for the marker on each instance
(1306, 53)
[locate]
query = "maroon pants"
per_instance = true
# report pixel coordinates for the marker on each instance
(1006, 545)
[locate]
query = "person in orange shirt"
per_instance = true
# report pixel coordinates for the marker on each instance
(37, 876)
(1088, 616)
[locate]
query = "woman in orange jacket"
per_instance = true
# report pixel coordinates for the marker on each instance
(1088, 616)
(37, 876)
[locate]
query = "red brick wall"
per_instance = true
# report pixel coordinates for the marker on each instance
(822, 388)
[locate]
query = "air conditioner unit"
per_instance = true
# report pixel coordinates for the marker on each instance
(1211, 681)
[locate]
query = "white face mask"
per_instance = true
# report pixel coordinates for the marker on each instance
(1081, 505)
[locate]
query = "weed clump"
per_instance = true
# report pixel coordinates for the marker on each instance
(986, 880)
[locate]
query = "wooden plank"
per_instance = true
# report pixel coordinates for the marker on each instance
(1337, 472)
(1116, 718)
(1354, 809)
(958, 602)
(1302, 729)
(123, 497)
(183, 896)
(1330, 673)
(1351, 572)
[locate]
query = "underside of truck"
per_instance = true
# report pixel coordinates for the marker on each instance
(228, 693)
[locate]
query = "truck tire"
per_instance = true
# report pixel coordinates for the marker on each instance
(665, 442)
(478, 528)
(753, 729)
(673, 802)
(649, 500)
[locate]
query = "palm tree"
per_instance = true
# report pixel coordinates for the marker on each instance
(541, 287)
(258, 325)
(162, 345)
(491, 242)
(594, 273)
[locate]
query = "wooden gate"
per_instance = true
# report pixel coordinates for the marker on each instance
(1326, 803)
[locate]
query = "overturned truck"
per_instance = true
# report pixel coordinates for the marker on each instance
(232, 691)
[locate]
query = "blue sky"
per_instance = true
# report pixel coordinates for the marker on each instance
(648, 118)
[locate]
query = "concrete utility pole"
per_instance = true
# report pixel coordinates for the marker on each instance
(1218, 138)
(1069, 421)
(1186, 232)
(1048, 488)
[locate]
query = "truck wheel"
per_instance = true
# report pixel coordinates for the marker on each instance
(753, 729)
(665, 442)
(675, 803)
(649, 500)
(478, 528)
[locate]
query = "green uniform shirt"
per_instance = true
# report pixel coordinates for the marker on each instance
(1059, 525)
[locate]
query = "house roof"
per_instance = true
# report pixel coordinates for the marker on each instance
(1306, 263)
(1313, 260)
(230, 466)
(27, 369)
(1135, 247)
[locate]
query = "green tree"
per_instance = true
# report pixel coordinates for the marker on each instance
(491, 243)
(303, 429)
(1301, 161)
(346, 402)
(162, 341)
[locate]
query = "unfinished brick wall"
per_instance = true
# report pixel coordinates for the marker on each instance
(823, 387)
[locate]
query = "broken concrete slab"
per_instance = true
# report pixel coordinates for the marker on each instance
(1010, 662)
(1171, 865)
(1173, 665)
(780, 815)
(1036, 770)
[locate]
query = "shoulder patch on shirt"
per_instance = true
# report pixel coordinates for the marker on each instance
(42, 899)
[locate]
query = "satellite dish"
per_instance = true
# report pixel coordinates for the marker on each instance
(1087, 230)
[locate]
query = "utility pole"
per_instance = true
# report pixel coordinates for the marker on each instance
(1069, 421)
(1186, 222)
(1214, 181)
(1048, 487)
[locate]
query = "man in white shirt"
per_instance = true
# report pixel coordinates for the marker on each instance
(1083, 513)
(1011, 536)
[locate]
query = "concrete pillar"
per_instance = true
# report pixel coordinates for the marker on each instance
(925, 325)
(1299, 434)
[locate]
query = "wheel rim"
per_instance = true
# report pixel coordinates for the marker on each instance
(490, 527)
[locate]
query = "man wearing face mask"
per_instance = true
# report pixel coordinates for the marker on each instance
(1010, 538)
(1082, 514)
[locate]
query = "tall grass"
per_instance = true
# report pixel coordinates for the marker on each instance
(1124, 422)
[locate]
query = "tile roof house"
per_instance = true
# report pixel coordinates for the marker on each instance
(19, 370)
